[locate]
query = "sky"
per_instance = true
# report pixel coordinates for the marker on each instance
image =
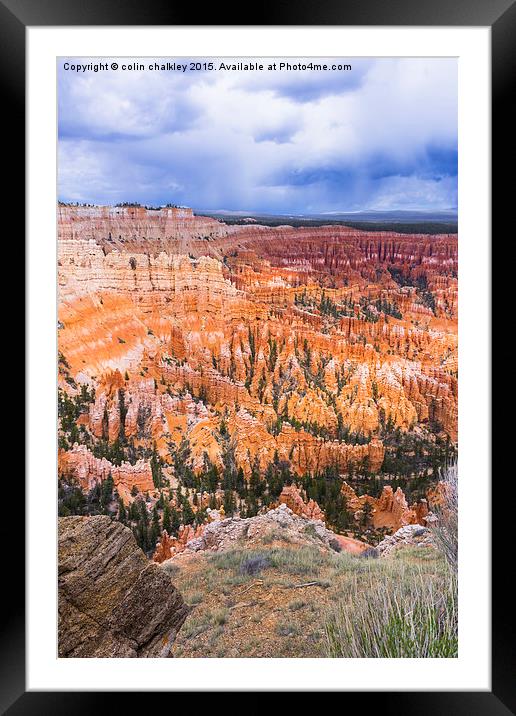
(382, 136)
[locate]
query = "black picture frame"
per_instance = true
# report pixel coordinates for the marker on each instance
(15, 17)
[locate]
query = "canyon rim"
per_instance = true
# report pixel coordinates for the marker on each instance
(258, 360)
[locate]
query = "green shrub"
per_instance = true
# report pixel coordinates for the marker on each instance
(219, 616)
(287, 628)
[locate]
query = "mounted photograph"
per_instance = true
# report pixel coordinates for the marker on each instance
(257, 357)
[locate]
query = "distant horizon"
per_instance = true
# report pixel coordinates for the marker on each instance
(379, 137)
(251, 212)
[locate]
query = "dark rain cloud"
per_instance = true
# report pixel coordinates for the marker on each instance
(384, 136)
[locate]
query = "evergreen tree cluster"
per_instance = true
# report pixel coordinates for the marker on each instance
(385, 306)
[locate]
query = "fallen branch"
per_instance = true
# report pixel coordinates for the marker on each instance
(306, 584)
(254, 584)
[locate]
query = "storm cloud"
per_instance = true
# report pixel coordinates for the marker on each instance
(381, 136)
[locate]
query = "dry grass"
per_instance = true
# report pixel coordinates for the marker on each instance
(408, 617)
(300, 602)
(446, 531)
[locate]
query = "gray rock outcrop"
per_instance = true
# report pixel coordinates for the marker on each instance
(408, 536)
(280, 523)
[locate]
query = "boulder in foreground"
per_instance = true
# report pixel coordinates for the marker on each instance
(113, 602)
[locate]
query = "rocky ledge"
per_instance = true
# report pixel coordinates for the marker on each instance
(408, 536)
(275, 526)
(113, 602)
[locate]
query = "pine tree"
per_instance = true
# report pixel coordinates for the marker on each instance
(175, 521)
(133, 511)
(240, 483)
(122, 513)
(229, 503)
(155, 463)
(200, 517)
(105, 424)
(166, 524)
(106, 492)
(155, 529)
(188, 513)
(143, 525)
(367, 511)
(123, 413)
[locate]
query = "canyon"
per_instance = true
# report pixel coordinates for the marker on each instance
(206, 366)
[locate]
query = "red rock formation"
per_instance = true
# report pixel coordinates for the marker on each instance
(280, 342)
(167, 547)
(392, 511)
(295, 500)
(389, 511)
(164, 548)
(87, 470)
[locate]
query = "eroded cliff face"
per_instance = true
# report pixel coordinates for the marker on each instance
(119, 224)
(391, 510)
(86, 470)
(313, 348)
